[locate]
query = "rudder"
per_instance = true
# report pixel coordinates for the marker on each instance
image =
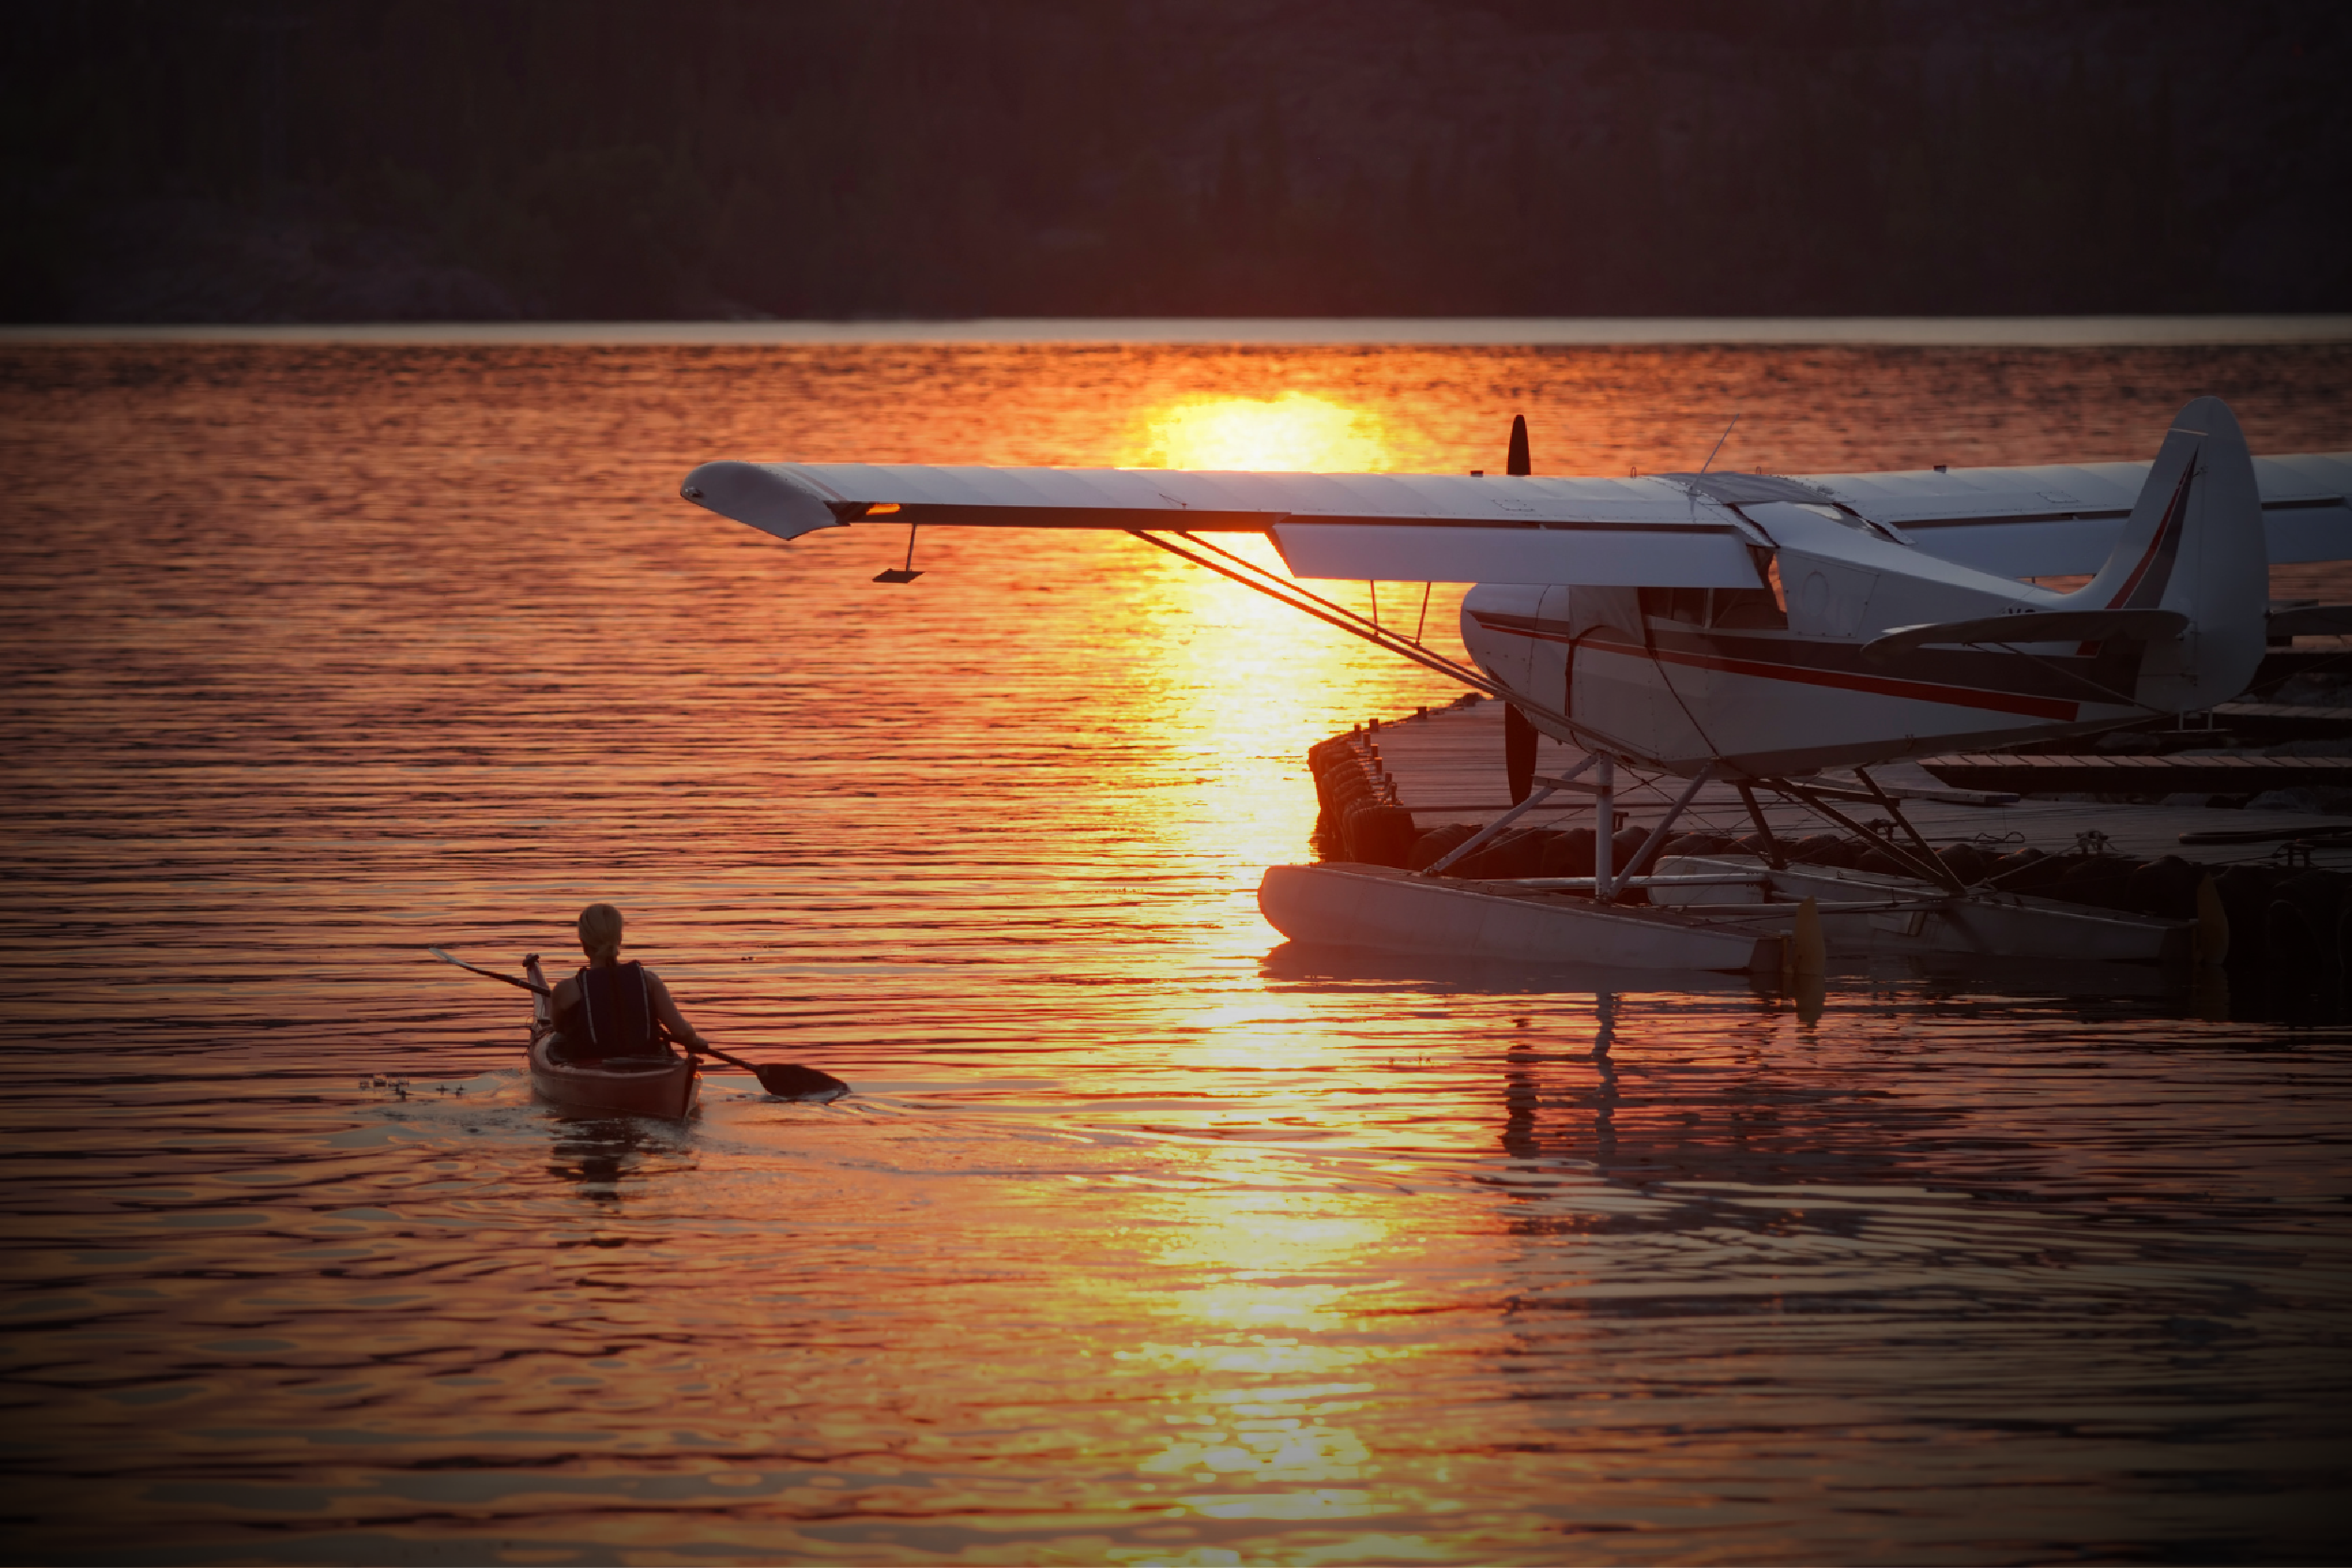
(2194, 544)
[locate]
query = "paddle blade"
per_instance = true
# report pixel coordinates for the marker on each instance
(790, 1081)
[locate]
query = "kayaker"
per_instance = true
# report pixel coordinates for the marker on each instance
(610, 1009)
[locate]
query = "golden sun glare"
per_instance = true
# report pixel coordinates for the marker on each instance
(1294, 432)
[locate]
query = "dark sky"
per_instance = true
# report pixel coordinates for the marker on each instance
(404, 159)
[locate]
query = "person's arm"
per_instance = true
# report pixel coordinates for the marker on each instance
(666, 1010)
(562, 1000)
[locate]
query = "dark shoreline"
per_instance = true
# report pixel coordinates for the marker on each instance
(1957, 331)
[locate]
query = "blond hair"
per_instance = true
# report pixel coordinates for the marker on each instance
(600, 932)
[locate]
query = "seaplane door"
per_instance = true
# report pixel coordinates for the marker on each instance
(1552, 672)
(1610, 679)
(1503, 626)
(1600, 627)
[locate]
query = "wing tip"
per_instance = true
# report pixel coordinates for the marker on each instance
(767, 496)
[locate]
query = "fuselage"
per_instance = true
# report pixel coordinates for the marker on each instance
(1682, 678)
(1807, 671)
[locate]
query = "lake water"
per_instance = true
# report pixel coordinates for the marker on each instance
(1143, 1239)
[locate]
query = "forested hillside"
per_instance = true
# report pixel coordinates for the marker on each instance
(403, 159)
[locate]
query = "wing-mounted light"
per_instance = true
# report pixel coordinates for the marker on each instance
(769, 498)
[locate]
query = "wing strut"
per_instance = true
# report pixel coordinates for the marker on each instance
(1251, 575)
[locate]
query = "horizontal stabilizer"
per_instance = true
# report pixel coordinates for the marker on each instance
(2061, 520)
(1670, 555)
(2035, 626)
(2312, 620)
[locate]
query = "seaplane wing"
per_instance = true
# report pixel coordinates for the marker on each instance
(1668, 530)
(2063, 519)
(1771, 624)
(1394, 527)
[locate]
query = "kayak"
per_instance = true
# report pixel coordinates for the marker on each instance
(664, 1087)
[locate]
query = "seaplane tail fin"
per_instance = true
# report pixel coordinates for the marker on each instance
(2194, 545)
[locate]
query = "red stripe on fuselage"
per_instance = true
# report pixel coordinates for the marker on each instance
(2163, 528)
(1917, 692)
(1797, 674)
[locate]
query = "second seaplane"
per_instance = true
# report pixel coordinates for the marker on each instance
(1749, 628)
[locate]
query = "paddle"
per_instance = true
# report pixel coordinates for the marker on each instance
(785, 1080)
(491, 973)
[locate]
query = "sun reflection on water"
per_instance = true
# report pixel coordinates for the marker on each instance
(1244, 696)
(1294, 432)
(1273, 1376)
(1257, 682)
(1277, 1367)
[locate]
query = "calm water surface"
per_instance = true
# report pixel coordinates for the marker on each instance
(1144, 1239)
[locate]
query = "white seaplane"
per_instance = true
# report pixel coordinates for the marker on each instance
(1747, 628)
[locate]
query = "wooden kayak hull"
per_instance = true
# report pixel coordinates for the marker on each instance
(667, 1092)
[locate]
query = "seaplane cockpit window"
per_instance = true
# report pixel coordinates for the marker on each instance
(1714, 606)
(1687, 606)
(1746, 608)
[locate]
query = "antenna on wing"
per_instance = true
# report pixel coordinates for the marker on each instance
(1516, 465)
(1719, 445)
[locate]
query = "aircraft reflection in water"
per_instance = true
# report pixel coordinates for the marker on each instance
(1643, 1124)
(1589, 1095)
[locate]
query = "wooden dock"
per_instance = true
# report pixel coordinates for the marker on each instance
(1445, 765)
(2175, 774)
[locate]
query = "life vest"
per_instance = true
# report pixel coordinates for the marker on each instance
(615, 1013)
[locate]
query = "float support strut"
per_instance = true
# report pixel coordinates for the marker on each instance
(1604, 832)
(1950, 879)
(1486, 834)
(1772, 857)
(1657, 840)
(1930, 870)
